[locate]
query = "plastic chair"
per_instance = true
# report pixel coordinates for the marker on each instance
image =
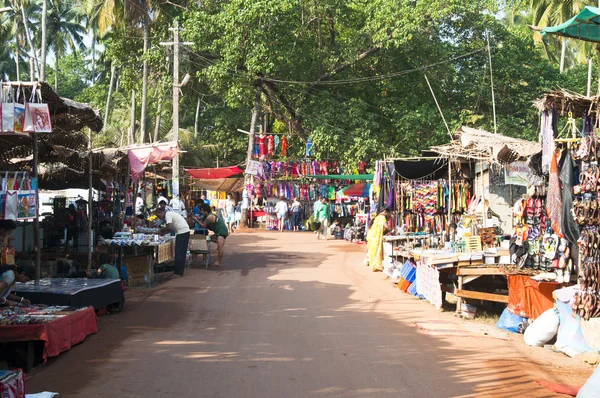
(199, 245)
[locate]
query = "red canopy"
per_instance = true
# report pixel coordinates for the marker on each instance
(213, 174)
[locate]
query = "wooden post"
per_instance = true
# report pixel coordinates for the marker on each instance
(131, 139)
(157, 122)
(459, 299)
(90, 200)
(36, 220)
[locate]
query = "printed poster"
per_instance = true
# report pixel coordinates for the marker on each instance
(516, 174)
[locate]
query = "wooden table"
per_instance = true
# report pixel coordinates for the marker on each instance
(469, 274)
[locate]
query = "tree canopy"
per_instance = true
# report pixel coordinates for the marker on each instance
(352, 75)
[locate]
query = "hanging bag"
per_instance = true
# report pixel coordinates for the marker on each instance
(3, 195)
(19, 113)
(10, 202)
(8, 110)
(26, 206)
(27, 119)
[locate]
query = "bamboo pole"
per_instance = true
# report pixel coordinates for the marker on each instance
(90, 200)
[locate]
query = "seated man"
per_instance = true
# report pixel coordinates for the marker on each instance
(106, 269)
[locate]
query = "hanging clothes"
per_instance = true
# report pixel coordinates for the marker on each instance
(547, 138)
(262, 145)
(554, 198)
(270, 145)
(569, 227)
(276, 149)
(309, 145)
(284, 145)
(391, 170)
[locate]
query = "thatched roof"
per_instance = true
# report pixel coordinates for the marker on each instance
(566, 101)
(64, 151)
(477, 144)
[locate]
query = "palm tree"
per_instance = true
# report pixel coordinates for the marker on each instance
(118, 14)
(21, 20)
(555, 12)
(65, 32)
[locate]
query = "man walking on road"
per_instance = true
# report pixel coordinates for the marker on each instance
(176, 223)
(321, 211)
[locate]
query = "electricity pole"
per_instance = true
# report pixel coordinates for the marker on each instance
(176, 43)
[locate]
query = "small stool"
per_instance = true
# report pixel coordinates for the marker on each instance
(199, 245)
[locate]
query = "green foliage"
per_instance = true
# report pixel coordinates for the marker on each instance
(349, 74)
(73, 74)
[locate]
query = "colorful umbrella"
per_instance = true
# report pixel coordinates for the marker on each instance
(359, 189)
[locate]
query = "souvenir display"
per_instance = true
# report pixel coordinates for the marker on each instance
(17, 198)
(586, 213)
(34, 314)
(425, 204)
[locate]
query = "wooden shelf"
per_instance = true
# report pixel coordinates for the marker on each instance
(499, 298)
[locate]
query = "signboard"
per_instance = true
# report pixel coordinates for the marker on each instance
(516, 174)
(253, 167)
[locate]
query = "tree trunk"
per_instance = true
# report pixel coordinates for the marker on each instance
(144, 82)
(56, 72)
(563, 53)
(253, 122)
(44, 17)
(28, 38)
(93, 55)
(109, 96)
(157, 123)
(131, 139)
(17, 58)
(196, 119)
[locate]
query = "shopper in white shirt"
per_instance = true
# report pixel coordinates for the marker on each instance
(178, 206)
(139, 204)
(281, 208)
(176, 223)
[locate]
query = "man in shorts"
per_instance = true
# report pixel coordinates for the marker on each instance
(214, 223)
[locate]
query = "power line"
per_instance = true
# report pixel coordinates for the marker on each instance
(377, 77)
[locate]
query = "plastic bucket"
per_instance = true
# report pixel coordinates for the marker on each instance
(468, 311)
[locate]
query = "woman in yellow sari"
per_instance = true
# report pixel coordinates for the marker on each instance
(378, 228)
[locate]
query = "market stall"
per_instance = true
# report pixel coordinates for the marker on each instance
(74, 292)
(456, 221)
(57, 328)
(304, 179)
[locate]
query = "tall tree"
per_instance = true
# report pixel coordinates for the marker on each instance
(65, 32)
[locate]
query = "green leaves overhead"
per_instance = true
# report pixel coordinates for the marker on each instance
(347, 73)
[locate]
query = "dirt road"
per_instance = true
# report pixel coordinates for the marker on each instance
(289, 316)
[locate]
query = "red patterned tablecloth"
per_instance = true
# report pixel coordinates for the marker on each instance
(58, 336)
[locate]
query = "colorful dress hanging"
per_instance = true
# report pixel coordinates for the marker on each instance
(270, 145)
(284, 146)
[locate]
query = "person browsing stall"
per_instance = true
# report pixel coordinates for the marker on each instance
(177, 224)
(281, 208)
(139, 205)
(322, 214)
(107, 270)
(296, 214)
(214, 223)
(377, 230)
(230, 212)
(10, 274)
